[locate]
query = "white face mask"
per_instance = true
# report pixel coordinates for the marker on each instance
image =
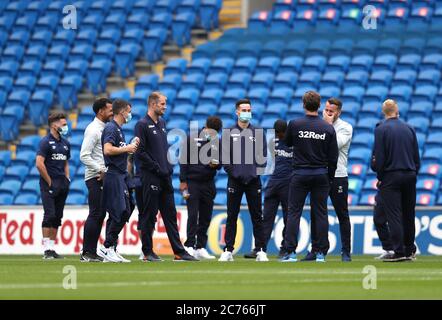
(64, 130)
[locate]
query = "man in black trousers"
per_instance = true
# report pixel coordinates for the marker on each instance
(91, 155)
(396, 162)
(198, 167)
(156, 177)
(244, 152)
(316, 155)
(277, 189)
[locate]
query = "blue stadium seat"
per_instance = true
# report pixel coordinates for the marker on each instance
(226, 49)
(212, 96)
(375, 94)
(286, 79)
(338, 63)
(361, 62)
(433, 154)
(258, 95)
(79, 186)
(31, 186)
(214, 80)
(360, 154)
(120, 94)
(40, 103)
(48, 83)
(420, 124)
(353, 93)
(96, 75)
(29, 68)
(199, 65)
(232, 95)
(147, 82)
(5, 158)
(181, 26)
(276, 109)
(357, 169)
(420, 109)
(189, 96)
(208, 13)
(182, 111)
(67, 91)
(355, 185)
(26, 157)
(240, 80)
(175, 66)
(13, 53)
(367, 198)
(425, 199)
(431, 61)
(426, 184)
(205, 110)
(332, 78)
(10, 186)
(8, 68)
(431, 169)
(76, 199)
(152, 44)
(170, 81)
(259, 20)
(425, 93)
(26, 198)
(408, 61)
(26, 83)
(382, 78)
(246, 64)
(17, 172)
(314, 63)
(6, 199)
(404, 77)
(362, 140)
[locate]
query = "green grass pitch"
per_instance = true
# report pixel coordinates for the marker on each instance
(30, 277)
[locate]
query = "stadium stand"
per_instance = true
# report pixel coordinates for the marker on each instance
(44, 65)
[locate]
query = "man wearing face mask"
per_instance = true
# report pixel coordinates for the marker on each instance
(198, 167)
(116, 197)
(91, 155)
(244, 152)
(52, 162)
(156, 177)
(339, 187)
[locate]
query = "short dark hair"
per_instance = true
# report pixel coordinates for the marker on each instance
(100, 103)
(336, 102)
(280, 126)
(154, 97)
(215, 123)
(54, 117)
(119, 105)
(242, 101)
(311, 100)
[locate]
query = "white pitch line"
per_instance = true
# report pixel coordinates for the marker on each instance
(193, 283)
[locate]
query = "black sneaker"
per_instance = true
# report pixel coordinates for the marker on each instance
(395, 258)
(345, 256)
(311, 256)
(282, 253)
(184, 257)
(51, 254)
(90, 257)
(152, 257)
(251, 255)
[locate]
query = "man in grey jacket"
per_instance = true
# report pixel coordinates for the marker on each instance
(91, 155)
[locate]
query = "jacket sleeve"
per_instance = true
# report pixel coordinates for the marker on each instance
(184, 159)
(226, 153)
(145, 159)
(288, 136)
(378, 153)
(417, 161)
(333, 154)
(344, 135)
(90, 140)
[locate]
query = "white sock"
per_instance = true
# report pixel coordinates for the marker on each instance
(46, 244)
(51, 244)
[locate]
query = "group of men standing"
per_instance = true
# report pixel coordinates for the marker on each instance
(311, 156)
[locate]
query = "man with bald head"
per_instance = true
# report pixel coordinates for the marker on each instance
(396, 163)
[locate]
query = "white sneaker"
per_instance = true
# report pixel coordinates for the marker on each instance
(190, 251)
(203, 254)
(261, 256)
(384, 254)
(109, 254)
(141, 257)
(124, 260)
(226, 256)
